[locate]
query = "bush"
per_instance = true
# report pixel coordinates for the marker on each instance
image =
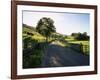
(32, 53)
(80, 36)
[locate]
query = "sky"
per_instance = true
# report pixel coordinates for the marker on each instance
(64, 22)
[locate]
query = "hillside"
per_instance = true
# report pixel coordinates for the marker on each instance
(29, 31)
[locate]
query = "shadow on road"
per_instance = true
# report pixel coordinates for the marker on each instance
(58, 56)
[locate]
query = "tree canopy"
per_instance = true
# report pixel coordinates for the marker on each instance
(45, 26)
(80, 36)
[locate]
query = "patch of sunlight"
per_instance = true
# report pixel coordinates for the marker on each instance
(54, 62)
(59, 43)
(82, 42)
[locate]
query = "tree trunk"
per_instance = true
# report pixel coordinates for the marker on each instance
(46, 39)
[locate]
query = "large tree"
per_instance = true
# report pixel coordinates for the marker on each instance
(45, 27)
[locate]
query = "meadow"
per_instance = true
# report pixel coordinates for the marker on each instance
(85, 43)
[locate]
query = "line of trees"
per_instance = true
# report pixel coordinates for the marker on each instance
(80, 36)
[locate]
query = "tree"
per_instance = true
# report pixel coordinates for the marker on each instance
(82, 36)
(74, 34)
(79, 36)
(85, 33)
(45, 27)
(86, 37)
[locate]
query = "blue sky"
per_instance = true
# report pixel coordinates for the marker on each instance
(65, 23)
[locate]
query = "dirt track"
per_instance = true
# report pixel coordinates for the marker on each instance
(58, 56)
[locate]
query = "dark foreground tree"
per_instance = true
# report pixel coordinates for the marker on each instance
(45, 27)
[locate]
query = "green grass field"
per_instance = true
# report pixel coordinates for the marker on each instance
(80, 42)
(71, 39)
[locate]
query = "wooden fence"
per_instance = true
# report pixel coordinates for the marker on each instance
(80, 48)
(85, 48)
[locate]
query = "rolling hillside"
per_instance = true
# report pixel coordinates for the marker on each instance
(29, 31)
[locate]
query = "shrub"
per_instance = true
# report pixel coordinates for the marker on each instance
(32, 53)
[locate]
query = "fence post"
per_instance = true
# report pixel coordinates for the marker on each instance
(86, 48)
(81, 47)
